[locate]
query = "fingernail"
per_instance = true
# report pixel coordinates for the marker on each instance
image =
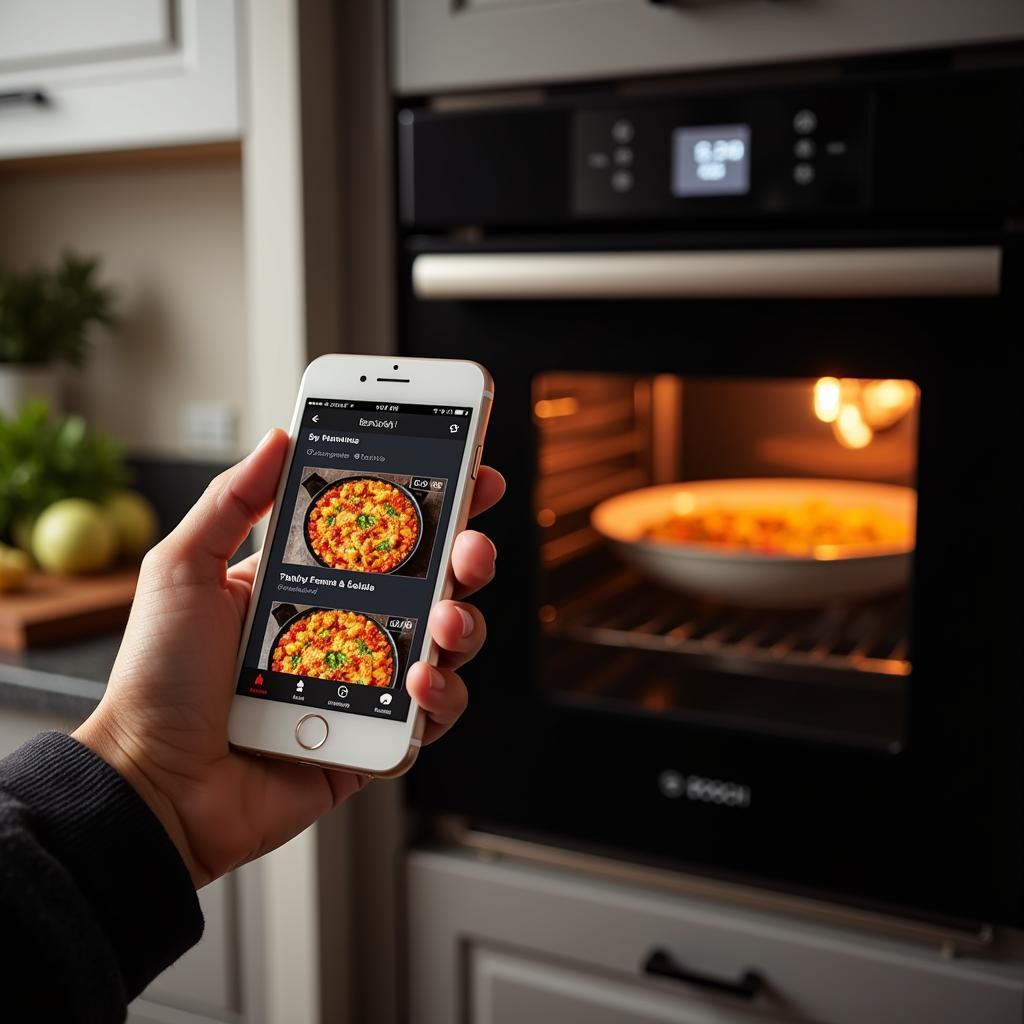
(468, 622)
(263, 441)
(436, 678)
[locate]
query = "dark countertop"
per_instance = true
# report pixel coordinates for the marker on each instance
(68, 679)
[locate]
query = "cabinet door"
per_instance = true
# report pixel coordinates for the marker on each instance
(443, 45)
(508, 989)
(116, 74)
(57, 33)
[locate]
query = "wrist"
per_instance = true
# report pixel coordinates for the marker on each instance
(107, 743)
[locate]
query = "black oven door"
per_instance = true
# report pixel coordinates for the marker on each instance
(857, 740)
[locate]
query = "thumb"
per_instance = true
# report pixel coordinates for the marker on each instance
(235, 501)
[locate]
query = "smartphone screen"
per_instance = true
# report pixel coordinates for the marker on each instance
(355, 556)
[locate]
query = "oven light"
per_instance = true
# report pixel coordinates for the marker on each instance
(549, 408)
(827, 392)
(886, 401)
(857, 409)
(850, 429)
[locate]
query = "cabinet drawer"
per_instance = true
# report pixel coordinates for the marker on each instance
(460, 907)
(442, 44)
(508, 988)
(122, 76)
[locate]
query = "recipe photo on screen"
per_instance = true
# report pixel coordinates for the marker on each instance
(355, 556)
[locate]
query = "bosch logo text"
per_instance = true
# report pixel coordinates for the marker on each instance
(674, 785)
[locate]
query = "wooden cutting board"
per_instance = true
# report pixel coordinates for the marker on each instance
(52, 609)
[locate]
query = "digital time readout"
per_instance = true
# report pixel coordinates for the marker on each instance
(713, 160)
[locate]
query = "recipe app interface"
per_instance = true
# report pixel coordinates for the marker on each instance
(355, 556)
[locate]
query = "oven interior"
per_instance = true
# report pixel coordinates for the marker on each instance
(763, 586)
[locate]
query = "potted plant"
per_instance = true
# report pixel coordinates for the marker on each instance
(45, 317)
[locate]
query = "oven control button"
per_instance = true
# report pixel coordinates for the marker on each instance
(804, 122)
(311, 732)
(804, 149)
(622, 132)
(622, 181)
(671, 783)
(803, 174)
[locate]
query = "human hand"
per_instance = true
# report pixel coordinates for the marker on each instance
(163, 721)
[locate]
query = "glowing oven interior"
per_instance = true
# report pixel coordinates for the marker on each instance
(736, 553)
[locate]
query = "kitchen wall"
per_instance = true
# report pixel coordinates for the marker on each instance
(171, 239)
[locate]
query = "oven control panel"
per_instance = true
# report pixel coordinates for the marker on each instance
(895, 146)
(774, 154)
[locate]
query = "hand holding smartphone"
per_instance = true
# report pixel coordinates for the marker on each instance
(384, 455)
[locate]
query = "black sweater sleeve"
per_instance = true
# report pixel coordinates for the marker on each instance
(95, 900)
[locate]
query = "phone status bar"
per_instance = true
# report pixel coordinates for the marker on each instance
(384, 407)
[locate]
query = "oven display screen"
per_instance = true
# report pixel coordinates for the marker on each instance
(713, 160)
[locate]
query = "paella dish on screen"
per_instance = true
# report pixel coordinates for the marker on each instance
(340, 646)
(363, 525)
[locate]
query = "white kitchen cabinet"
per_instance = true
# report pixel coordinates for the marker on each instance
(443, 45)
(117, 74)
(503, 942)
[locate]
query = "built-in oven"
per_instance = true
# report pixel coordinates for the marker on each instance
(755, 614)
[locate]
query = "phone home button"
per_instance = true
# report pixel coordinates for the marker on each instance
(311, 732)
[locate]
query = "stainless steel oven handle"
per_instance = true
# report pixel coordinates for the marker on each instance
(775, 273)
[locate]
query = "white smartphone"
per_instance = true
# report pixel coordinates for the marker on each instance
(378, 482)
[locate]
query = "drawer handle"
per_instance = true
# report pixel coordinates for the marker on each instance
(661, 964)
(24, 97)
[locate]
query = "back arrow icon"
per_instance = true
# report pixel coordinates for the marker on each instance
(316, 418)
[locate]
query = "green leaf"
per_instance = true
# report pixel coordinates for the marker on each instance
(44, 459)
(46, 314)
(364, 648)
(384, 545)
(335, 659)
(365, 521)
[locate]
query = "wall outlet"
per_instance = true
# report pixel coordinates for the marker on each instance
(210, 426)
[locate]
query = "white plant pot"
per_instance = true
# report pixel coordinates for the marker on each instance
(20, 384)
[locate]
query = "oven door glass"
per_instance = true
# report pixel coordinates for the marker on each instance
(728, 552)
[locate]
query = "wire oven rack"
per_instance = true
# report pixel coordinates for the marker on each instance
(860, 644)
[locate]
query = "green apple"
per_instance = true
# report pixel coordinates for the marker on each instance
(134, 520)
(74, 536)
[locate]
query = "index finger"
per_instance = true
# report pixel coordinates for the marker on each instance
(490, 486)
